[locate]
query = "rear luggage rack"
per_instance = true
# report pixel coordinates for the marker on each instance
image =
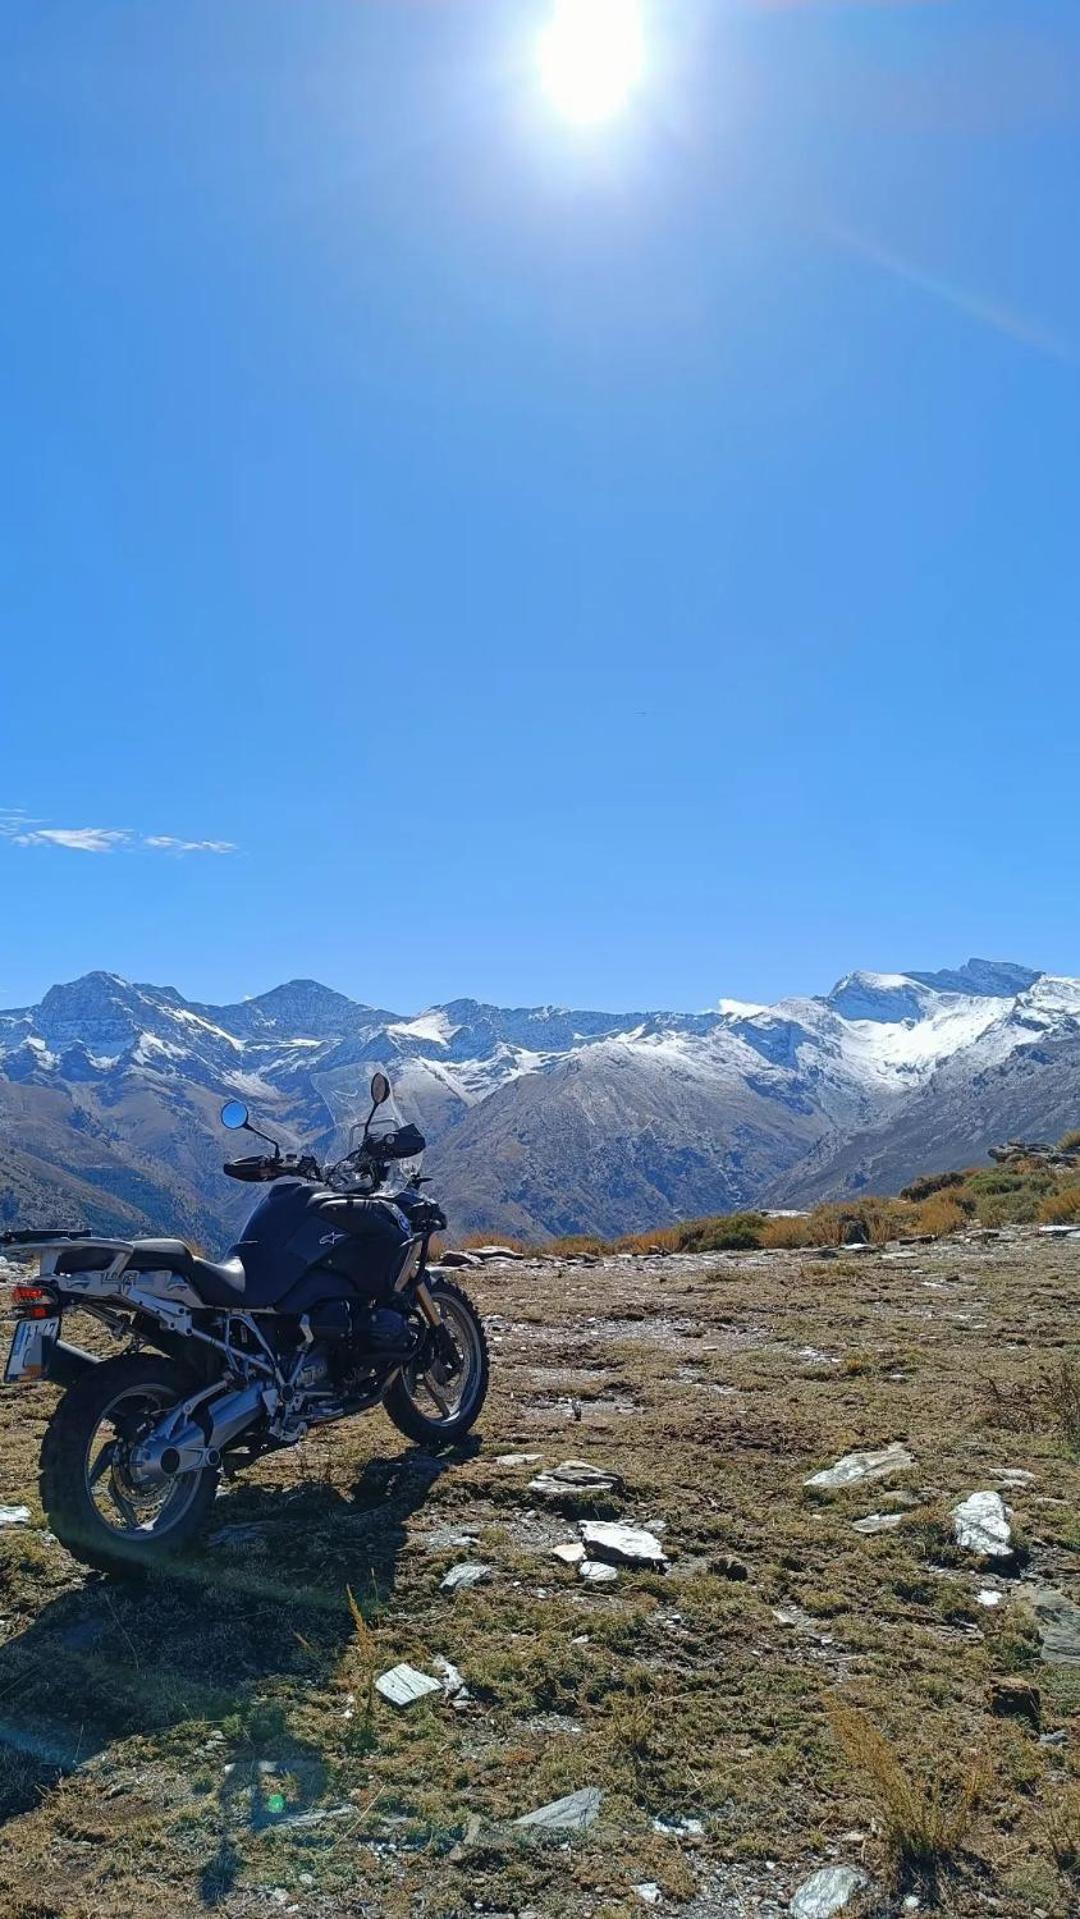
(36, 1235)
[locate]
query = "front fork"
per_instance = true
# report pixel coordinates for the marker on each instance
(445, 1349)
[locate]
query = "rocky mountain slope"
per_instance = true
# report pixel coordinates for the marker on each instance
(540, 1119)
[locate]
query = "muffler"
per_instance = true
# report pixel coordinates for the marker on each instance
(172, 1449)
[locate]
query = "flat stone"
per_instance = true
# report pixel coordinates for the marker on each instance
(461, 1577)
(403, 1685)
(315, 1817)
(571, 1552)
(988, 1597)
(877, 1523)
(648, 1892)
(680, 1826)
(238, 1536)
(575, 1813)
(496, 1252)
(460, 1259)
(1058, 1620)
(622, 1545)
(1013, 1477)
(14, 1515)
(596, 1572)
(854, 1467)
(827, 1891)
(574, 1477)
(519, 1459)
(981, 1525)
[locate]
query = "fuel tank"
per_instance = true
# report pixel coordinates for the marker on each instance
(304, 1242)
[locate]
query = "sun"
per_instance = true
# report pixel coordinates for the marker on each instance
(592, 57)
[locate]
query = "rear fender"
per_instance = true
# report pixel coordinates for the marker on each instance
(65, 1364)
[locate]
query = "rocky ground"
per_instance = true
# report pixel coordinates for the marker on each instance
(804, 1683)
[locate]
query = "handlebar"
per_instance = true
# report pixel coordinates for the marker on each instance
(266, 1166)
(405, 1142)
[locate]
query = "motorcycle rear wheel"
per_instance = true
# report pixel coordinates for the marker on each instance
(413, 1399)
(95, 1509)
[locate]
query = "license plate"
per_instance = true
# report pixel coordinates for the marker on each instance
(26, 1360)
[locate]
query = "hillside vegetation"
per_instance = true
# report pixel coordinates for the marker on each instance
(1024, 1192)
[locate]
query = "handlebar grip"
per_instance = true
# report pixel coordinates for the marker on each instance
(254, 1168)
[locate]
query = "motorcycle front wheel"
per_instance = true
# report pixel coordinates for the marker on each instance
(93, 1500)
(435, 1403)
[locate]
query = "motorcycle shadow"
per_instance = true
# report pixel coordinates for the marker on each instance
(199, 1642)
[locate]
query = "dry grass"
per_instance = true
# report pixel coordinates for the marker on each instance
(926, 1817)
(1062, 1822)
(139, 1725)
(1061, 1394)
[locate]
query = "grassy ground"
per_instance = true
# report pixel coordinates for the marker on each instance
(809, 1694)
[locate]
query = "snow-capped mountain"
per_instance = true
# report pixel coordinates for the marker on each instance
(540, 1119)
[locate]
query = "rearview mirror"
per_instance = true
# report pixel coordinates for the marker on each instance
(380, 1089)
(234, 1115)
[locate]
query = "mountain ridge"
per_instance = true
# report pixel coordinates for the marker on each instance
(542, 1119)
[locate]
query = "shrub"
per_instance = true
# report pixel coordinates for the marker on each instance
(1061, 1208)
(1069, 1142)
(1000, 1181)
(942, 1214)
(735, 1232)
(787, 1232)
(931, 1183)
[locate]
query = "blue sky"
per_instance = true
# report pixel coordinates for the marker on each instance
(622, 565)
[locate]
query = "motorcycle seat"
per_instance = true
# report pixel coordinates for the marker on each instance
(218, 1282)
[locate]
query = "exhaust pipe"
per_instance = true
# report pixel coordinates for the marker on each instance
(188, 1448)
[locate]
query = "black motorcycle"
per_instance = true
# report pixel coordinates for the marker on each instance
(324, 1308)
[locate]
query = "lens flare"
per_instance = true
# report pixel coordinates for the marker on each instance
(592, 57)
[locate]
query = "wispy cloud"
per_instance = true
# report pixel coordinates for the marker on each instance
(21, 830)
(1020, 327)
(166, 844)
(78, 839)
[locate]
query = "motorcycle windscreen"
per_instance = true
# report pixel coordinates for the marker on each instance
(397, 1112)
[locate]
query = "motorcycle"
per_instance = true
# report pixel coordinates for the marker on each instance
(324, 1308)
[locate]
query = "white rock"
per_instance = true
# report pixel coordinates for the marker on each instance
(571, 1552)
(988, 1597)
(403, 1685)
(573, 1814)
(680, 1826)
(453, 1684)
(648, 1892)
(596, 1573)
(14, 1515)
(827, 1891)
(981, 1525)
(854, 1467)
(519, 1459)
(877, 1523)
(622, 1545)
(574, 1476)
(461, 1577)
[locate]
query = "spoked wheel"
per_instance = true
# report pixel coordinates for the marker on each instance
(439, 1398)
(96, 1502)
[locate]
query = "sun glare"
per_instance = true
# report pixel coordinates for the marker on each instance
(592, 57)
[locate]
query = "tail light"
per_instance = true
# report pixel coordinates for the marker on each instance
(34, 1302)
